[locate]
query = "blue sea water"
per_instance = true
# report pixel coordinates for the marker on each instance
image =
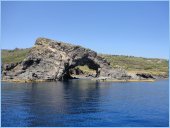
(85, 103)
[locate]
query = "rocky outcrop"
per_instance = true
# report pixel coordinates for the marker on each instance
(52, 60)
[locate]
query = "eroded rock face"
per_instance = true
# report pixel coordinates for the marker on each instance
(51, 60)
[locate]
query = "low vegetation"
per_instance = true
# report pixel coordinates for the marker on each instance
(13, 56)
(133, 64)
(86, 69)
(130, 63)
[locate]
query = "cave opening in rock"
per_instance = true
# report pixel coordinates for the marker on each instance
(81, 68)
(82, 72)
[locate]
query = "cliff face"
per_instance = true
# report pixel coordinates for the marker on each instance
(52, 60)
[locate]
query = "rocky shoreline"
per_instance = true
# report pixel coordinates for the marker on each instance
(50, 60)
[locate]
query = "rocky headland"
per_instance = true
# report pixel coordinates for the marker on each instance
(50, 60)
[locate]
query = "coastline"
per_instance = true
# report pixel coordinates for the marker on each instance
(100, 80)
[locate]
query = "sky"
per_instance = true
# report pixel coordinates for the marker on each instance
(118, 28)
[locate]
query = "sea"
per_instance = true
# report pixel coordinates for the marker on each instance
(85, 103)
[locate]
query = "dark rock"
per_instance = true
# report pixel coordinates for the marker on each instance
(145, 75)
(10, 66)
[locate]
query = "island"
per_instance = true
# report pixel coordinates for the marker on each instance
(50, 60)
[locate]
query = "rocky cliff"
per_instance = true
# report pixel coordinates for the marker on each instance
(52, 60)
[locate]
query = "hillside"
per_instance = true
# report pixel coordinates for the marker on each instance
(13, 56)
(131, 64)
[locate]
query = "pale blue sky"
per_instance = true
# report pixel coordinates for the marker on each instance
(123, 28)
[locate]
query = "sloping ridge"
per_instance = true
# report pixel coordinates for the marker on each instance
(51, 60)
